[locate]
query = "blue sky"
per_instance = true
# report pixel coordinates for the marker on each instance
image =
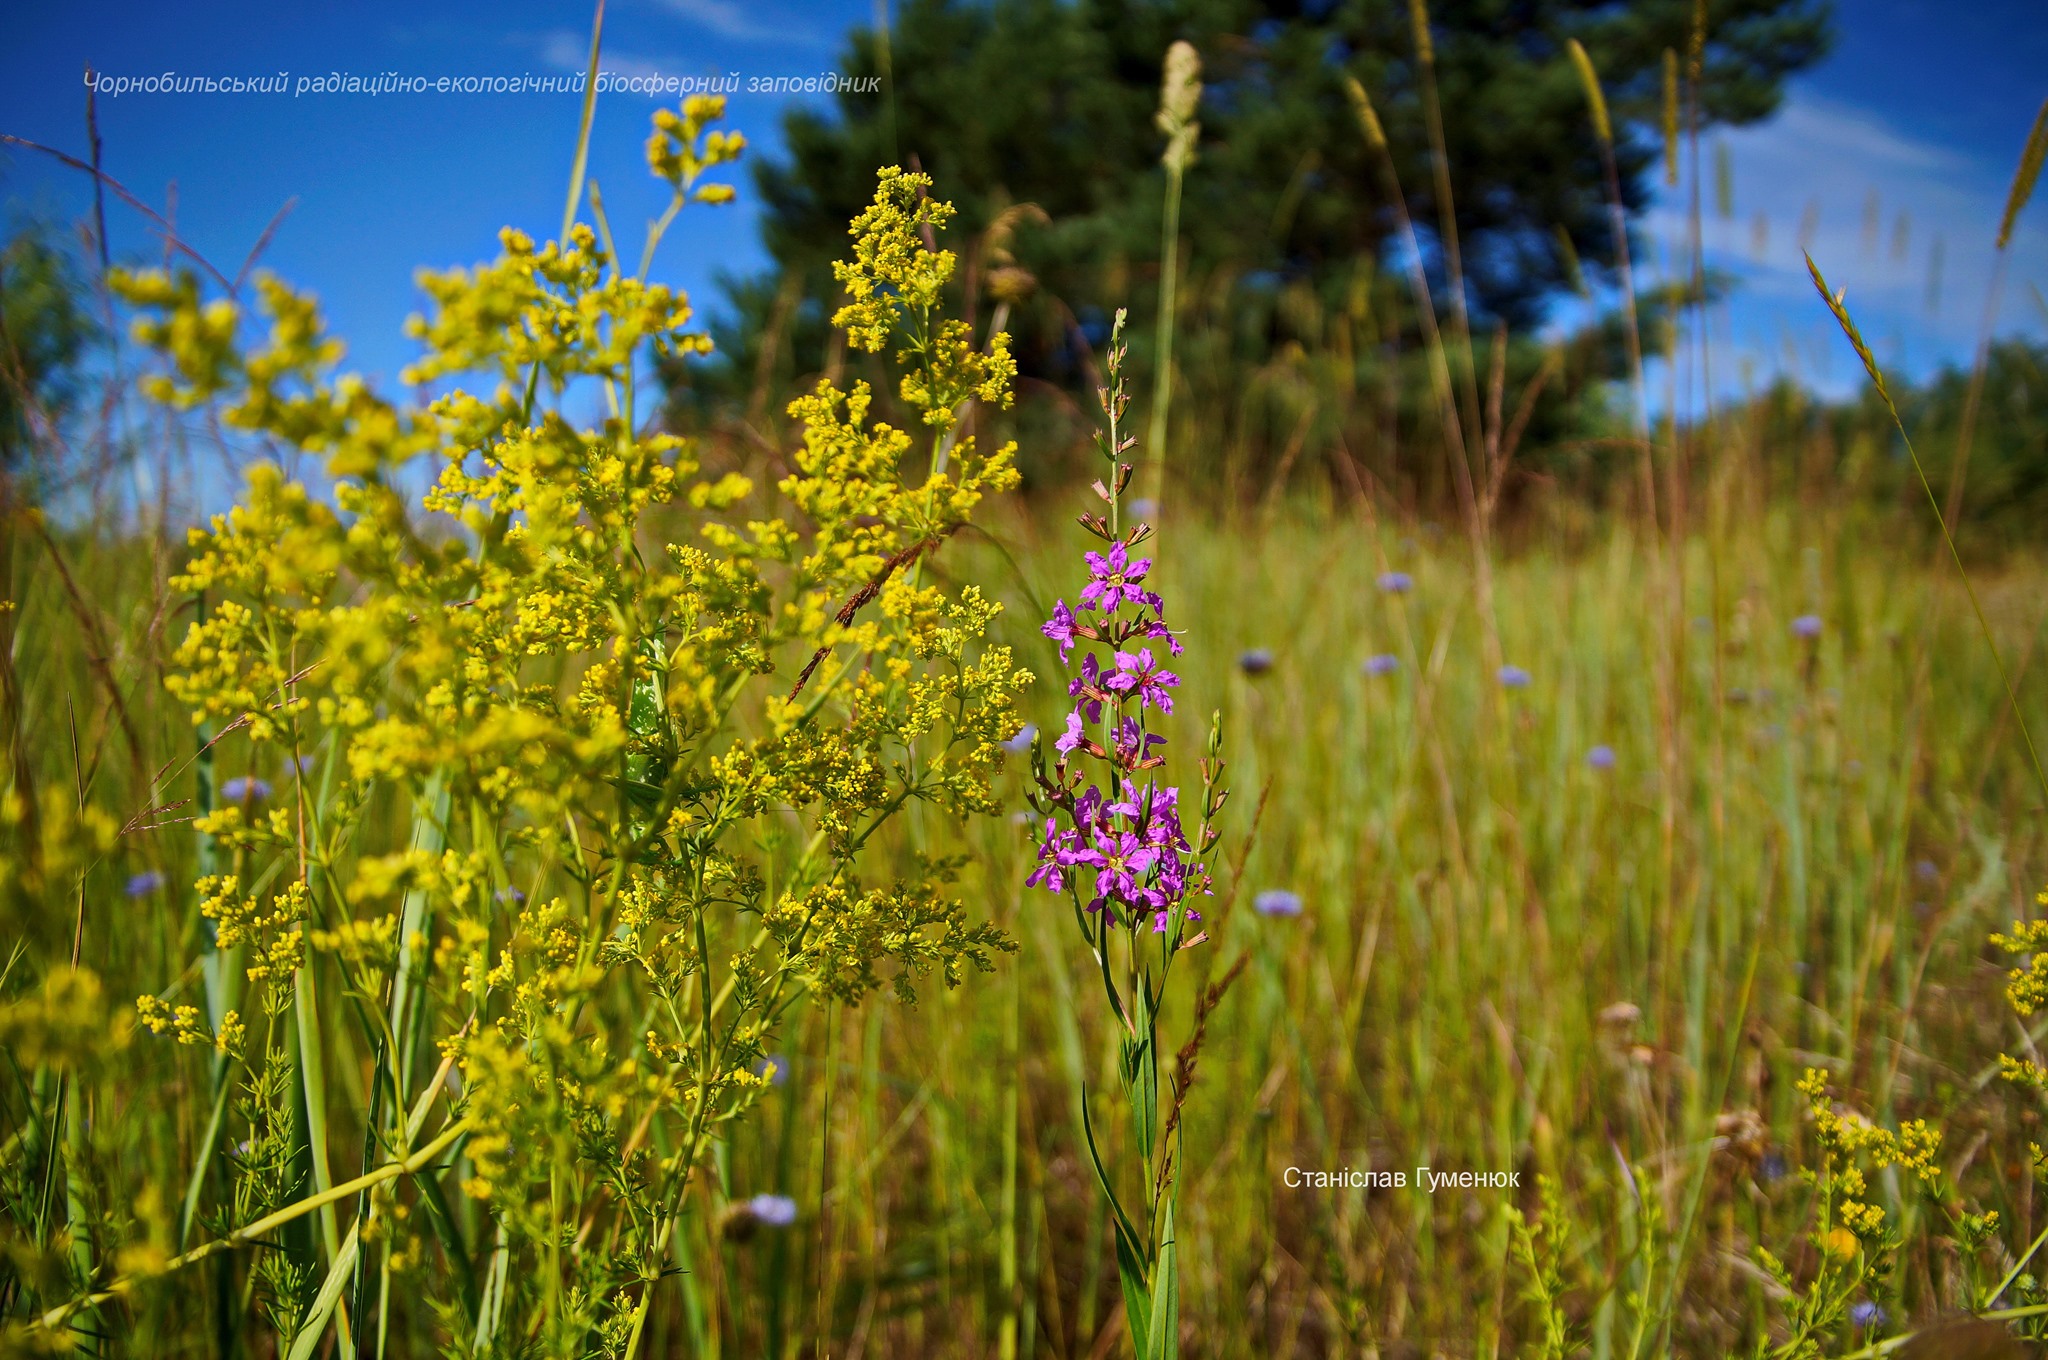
(1921, 111)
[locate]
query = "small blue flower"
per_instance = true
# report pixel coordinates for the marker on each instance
(509, 895)
(1144, 507)
(774, 1067)
(1865, 1313)
(1021, 742)
(1601, 757)
(1396, 582)
(299, 764)
(245, 788)
(1257, 661)
(1277, 902)
(1806, 626)
(145, 883)
(1384, 663)
(1514, 677)
(777, 1211)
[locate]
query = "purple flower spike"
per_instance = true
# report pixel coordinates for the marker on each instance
(1396, 582)
(1806, 626)
(1277, 902)
(1386, 663)
(1601, 758)
(1514, 677)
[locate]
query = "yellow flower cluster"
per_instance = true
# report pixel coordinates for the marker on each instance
(1847, 1138)
(579, 703)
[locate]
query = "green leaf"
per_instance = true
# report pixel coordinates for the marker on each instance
(1164, 1329)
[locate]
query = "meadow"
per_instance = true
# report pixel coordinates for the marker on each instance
(564, 923)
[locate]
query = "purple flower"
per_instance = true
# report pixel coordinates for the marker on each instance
(1060, 851)
(1806, 626)
(1137, 672)
(1133, 743)
(1601, 758)
(509, 895)
(145, 883)
(1514, 677)
(1060, 628)
(1020, 743)
(777, 1211)
(1156, 628)
(1385, 663)
(1396, 582)
(299, 764)
(245, 789)
(775, 1068)
(1144, 507)
(1864, 1313)
(1124, 838)
(1277, 902)
(1114, 580)
(1088, 687)
(1257, 661)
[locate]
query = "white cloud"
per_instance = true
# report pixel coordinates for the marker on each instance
(730, 20)
(1870, 201)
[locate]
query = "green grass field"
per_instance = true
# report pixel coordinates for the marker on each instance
(1507, 959)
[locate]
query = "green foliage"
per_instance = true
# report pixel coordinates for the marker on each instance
(1053, 104)
(45, 333)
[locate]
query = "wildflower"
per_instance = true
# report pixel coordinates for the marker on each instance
(1514, 677)
(1257, 661)
(777, 1211)
(1926, 870)
(1396, 582)
(1600, 757)
(1060, 629)
(145, 883)
(245, 789)
(1116, 579)
(1136, 673)
(1123, 838)
(773, 1069)
(1021, 741)
(1277, 902)
(1806, 626)
(1382, 663)
(1865, 1313)
(299, 764)
(1144, 508)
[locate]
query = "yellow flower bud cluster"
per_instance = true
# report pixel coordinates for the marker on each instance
(575, 707)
